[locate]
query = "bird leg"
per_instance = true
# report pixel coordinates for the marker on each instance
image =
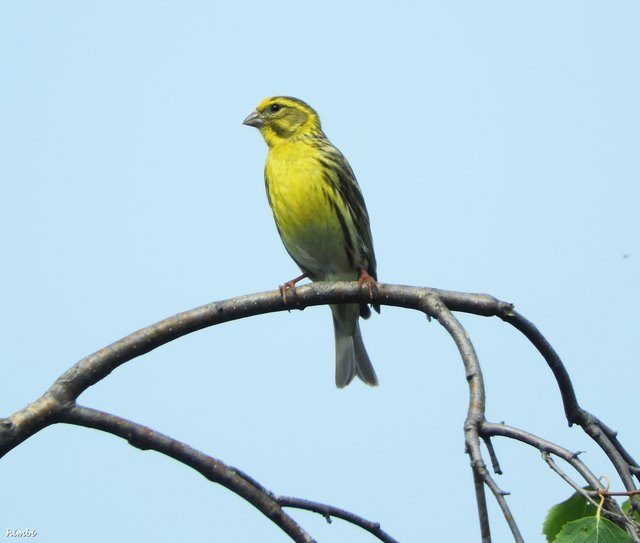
(370, 282)
(291, 285)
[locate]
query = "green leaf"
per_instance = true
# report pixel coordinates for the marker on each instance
(590, 530)
(576, 507)
(626, 506)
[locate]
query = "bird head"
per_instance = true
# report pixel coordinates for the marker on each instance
(283, 118)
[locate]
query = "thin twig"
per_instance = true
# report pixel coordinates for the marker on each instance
(611, 509)
(495, 464)
(328, 511)
(543, 445)
(628, 494)
(481, 503)
(546, 456)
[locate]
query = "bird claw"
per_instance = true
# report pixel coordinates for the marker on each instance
(290, 285)
(366, 280)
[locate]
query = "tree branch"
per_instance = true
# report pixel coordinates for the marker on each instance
(145, 438)
(475, 417)
(58, 404)
(604, 436)
(328, 511)
(95, 367)
(611, 508)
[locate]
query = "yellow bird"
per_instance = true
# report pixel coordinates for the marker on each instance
(321, 217)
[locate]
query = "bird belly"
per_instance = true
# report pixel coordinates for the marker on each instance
(306, 220)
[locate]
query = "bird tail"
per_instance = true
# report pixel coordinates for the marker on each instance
(351, 356)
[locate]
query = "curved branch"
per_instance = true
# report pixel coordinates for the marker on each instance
(490, 429)
(95, 367)
(475, 417)
(611, 510)
(214, 470)
(58, 403)
(531, 332)
(604, 436)
(328, 511)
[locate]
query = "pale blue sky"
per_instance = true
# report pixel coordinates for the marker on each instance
(497, 148)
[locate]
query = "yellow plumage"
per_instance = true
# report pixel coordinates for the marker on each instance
(320, 215)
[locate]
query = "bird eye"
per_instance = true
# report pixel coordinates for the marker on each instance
(274, 108)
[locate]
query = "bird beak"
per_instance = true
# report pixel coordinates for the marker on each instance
(254, 119)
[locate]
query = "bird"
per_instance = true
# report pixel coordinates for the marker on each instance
(321, 217)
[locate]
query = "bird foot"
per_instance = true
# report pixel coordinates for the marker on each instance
(290, 285)
(366, 280)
